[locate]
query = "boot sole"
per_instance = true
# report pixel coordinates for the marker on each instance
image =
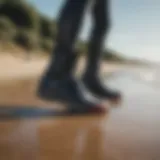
(75, 107)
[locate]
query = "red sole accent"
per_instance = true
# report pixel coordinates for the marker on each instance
(97, 109)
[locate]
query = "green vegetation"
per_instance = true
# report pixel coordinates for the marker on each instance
(7, 29)
(23, 25)
(27, 39)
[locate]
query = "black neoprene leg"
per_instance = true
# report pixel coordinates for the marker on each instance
(101, 27)
(69, 23)
(58, 83)
(101, 24)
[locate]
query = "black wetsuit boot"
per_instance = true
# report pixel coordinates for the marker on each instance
(91, 76)
(59, 83)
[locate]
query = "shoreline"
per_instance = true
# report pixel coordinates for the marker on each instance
(13, 68)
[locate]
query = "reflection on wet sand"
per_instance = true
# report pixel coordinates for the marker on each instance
(79, 139)
(130, 132)
(18, 140)
(87, 138)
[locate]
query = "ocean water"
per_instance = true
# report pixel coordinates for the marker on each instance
(139, 80)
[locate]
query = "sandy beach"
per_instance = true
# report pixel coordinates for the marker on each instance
(131, 131)
(18, 67)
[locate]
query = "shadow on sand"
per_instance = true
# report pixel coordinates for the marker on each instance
(17, 112)
(21, 112)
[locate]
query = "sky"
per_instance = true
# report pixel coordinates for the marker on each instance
(135, 29)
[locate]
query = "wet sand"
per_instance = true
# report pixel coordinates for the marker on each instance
(130, 131)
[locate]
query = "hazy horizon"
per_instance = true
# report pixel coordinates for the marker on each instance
(135, 26)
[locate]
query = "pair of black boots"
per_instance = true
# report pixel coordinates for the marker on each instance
(60, 84)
